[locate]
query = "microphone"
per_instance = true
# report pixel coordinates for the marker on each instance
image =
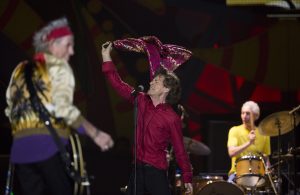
(139, 88)
(183, 111)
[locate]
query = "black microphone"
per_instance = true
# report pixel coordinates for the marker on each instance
(139, 88)
(183, 111)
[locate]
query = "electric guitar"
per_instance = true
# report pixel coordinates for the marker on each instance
(77, 162)
(79, 165)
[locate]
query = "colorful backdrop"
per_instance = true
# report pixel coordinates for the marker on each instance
(239, 54)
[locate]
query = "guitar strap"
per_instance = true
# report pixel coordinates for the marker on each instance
(43, 113)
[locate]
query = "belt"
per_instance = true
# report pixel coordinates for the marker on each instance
(143, 164)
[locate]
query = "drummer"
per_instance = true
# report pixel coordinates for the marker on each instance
(245, 139)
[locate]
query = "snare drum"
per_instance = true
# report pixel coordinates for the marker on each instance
(250, 171)
(220, 187)
(200, 181)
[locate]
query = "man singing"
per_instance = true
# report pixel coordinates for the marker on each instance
(157, 126)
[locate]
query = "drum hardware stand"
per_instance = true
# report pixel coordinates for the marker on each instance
(293, 112)
(277, 123)
(252, 189)
(269, 177)
(276, 164)
(289, 179)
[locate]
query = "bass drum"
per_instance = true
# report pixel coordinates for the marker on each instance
(200, 181)
(221, 187)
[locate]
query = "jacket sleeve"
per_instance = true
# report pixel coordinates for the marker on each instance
(180, 152)
(112, 76)
(63, 86)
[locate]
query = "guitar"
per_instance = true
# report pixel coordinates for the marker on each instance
(74, 163)
(79, 165)
(77, 162)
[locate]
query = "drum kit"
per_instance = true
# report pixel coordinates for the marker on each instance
(206, 184)
(195, 147)
(251, 174)
(276, 125)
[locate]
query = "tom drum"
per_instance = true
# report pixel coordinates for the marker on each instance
(250, 171)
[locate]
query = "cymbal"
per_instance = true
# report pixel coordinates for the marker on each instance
(195, 147)
(287, 156)
(295, 150)
(271, 124)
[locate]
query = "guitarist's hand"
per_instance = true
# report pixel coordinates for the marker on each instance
(103, 140)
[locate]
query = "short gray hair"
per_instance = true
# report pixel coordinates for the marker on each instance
(40, 41)
(253, 107)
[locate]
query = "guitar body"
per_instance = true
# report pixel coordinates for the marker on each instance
(78, 164)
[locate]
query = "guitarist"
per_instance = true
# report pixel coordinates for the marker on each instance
(38, 164)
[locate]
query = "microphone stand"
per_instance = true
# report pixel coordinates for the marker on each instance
(134, 94)
(135, 111)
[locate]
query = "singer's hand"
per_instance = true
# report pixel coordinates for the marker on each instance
(106, 49)
(135, 92)
(188, 188)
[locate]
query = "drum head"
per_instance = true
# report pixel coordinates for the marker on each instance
(209, 177)
(251, 180)
(200, 181)
(221, 187)
(249, 157)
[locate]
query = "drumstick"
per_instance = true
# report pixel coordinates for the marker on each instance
(252, 125)
(251, 121)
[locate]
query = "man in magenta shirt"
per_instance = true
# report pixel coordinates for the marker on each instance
(157, 126)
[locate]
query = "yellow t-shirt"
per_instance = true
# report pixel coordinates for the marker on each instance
(238, 135)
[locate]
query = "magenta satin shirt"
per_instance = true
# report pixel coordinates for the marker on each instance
(156, 127)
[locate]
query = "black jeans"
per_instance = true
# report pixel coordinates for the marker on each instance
(47, 177)
(149, 181)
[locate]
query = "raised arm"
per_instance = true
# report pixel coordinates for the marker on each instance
(106, 50)
(112, 76)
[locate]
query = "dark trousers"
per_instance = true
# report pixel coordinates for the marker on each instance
(47, 177)
(149, 181)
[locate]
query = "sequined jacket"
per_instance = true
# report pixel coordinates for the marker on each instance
(54, 82)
